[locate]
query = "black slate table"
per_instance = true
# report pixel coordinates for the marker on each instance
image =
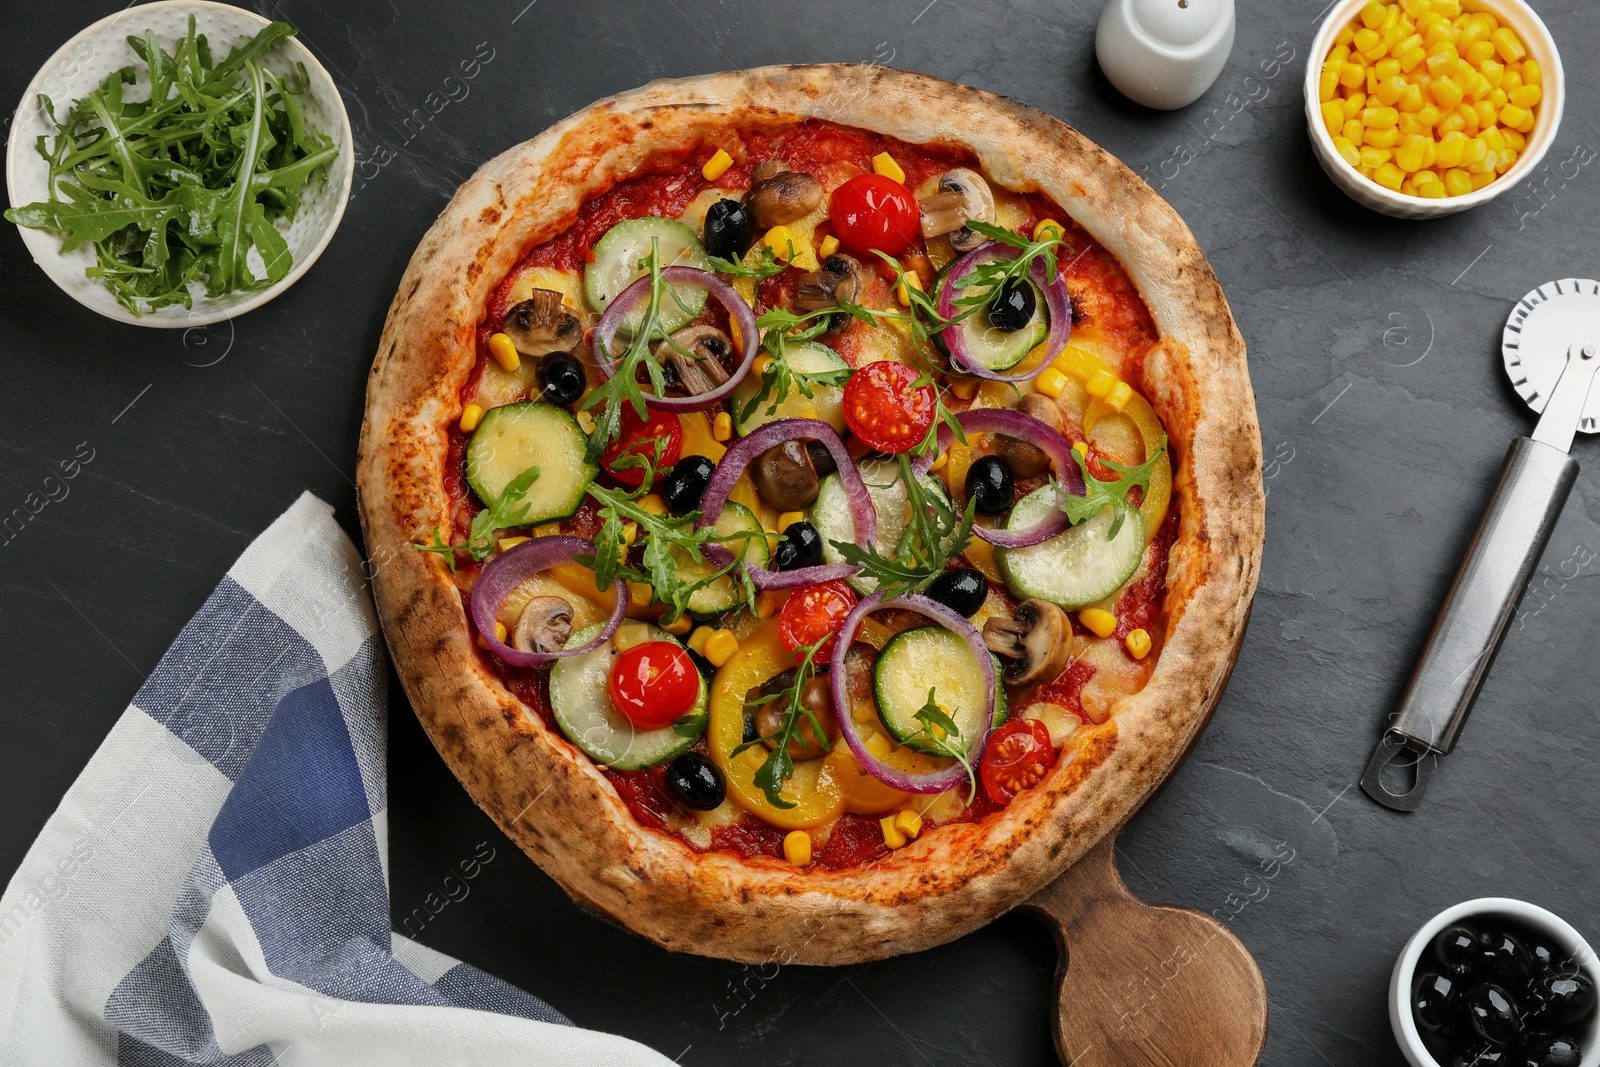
(1384, 415)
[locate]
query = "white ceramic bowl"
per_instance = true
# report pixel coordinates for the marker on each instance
(83, 62)
(1541, 46)
(1558, 930)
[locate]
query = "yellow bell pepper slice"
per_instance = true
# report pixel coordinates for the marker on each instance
(815, 790)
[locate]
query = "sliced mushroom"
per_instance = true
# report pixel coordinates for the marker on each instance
(1024, 459)
(701, 371)
(1035, 643)
(779, 195)
(841, 280)
(817, 698)
(785, 476)
(544, 625)
(542, 324)
(963, 195)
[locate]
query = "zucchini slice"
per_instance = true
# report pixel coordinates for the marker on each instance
(995, 348)
(512, 438)
(617, 256)
(826, 402)
(582, 707)
(915, 661)
(830, 512)
(1078, 566)
(722, 594)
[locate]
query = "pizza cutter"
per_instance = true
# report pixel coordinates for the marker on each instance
(1551, 349)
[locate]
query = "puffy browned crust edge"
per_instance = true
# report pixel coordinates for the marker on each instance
(546, 795)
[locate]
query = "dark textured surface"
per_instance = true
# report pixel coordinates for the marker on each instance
(1374, 351)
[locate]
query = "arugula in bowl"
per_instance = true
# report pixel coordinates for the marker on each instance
(189, 185)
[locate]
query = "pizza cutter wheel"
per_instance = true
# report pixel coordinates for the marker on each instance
(1551, 349)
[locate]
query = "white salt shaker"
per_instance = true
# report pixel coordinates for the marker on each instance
(1164, 53)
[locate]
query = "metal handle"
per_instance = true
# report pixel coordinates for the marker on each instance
(1494, 574)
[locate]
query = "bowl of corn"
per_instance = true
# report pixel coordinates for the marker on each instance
(1422, 108)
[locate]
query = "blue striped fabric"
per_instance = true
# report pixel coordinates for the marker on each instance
(213, 888)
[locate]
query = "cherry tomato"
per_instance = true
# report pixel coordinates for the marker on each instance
(885, 409)
(870, 211)
(638, 438)
(814, 612)
(1019, 755)
(653, 684)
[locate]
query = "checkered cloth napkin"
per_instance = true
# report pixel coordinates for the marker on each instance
(213, 888)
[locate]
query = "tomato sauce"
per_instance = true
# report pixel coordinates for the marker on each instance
(667, 188)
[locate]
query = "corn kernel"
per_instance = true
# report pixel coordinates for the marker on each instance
(892, 835)
(1423, 177)
(965, 388)
(1508, 159)
(1101, 622)
(797, 847)
(1512, 81)
(781, 241)
(1081, 447)
(1372, 83)
(1385, 138)
(1374, 157)
(1532, 73)
(1412, 101)
(883, 163)
(1431, 191)
(789, 518)
(1495, 74)
(1327, 82)
(767, 603)
(939, 463)
(1457, 182)
(1051, 382)
(1050, 226)
(1516, 140)
(1347, 149)
(1443, 62)
(1509, 45)
(1411, 58)
(698, 639)
(914, 280)
(1386, 68)
(1446, 92)
(1409, 156)
(1332, 115)
(1452, 123)
(654, 504)
(469, 418)
(504, 352)
(585, 422)
(506, 544)
(1483, 179)
(1447, 8)
(1471, 32)
(1390, 176)
(630, 533)
(679, 626)
(1352, 75)
(1513, 116)
(1345, 38)
(1100, 383)
(1373, 13)
(1415, 8)
(830, 245)
(1479, 51)
(1354, 103)
(908, 822)
(1119, 396)
(720, 647)
(1487, 116)
(1494, 139)
(1429, 115)
(716, 166)
(1499, 98)
(629, 635)
(1138, 642)
(722, 426)
(1391, 90)
(1526, 96)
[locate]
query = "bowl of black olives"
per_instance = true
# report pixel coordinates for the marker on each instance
(1496, 982)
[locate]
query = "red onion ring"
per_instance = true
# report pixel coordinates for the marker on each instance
(510, 569)
(894, 777)
(739, 456)
(1025, 428)
(1056, 301)
(738, 311)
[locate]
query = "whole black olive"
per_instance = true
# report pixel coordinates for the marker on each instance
(1569, 998)
(1549, 1050)
(561, 378)
(730, 230)
(1431, 1001)
(1546, 960)
(989, 482)
(801, 547)
(821, 458)
(1012, 306)
(1481, 1056)
(1502, 957)
(687, 483)
(1456, 949)
(695, 780)
(962, 590)
(1493, 1015)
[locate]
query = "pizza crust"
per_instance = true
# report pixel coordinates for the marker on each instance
(546, 795)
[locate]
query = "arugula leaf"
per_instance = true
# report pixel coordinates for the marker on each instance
(940, 733)
(766, 265)
(935, 534)
(510, 510)
(623, 385)
(190, 186)
(778, 376)
(776, 770)
(1099, 495)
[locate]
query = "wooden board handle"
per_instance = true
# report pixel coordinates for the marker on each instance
(1146, 985)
